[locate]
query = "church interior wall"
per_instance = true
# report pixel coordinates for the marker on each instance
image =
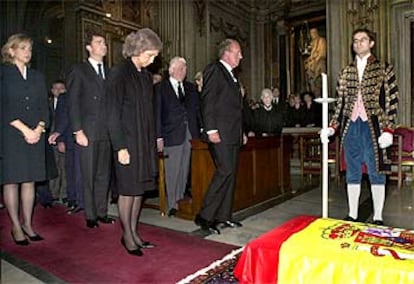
(267, 30)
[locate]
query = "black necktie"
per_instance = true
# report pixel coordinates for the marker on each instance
(233, 76)
(180, 92)
(100, 70)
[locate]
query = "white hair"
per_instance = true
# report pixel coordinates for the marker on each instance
(174, 61)
(266, 91)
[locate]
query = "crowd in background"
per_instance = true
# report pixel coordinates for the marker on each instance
(84, 133)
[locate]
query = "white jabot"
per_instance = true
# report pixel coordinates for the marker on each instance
(361, 64)
(359, 108)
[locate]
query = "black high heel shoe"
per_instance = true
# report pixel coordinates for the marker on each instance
(146, 245)
(136, 252)
(34, 238)
(24, 242)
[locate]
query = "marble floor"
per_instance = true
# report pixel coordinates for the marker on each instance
(398, 212)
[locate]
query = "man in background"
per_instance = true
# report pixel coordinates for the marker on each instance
(177, 111)
(58, 184)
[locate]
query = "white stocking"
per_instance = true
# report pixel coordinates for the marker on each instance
(354, 190)
(378, 197)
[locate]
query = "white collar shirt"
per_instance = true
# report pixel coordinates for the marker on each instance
(228, 67)
(94, 64)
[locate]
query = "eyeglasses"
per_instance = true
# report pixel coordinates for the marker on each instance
(361, 40)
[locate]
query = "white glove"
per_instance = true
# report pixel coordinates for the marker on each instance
(385, 140)
(325, 133)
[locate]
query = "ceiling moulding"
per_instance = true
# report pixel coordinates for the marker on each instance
(239, 9)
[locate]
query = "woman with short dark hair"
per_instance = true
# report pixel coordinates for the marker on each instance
(132, 131)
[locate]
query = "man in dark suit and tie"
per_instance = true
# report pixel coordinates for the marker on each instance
(178, 116)
(58, 184)
(221, 105)
(63, 137)
(87, 110)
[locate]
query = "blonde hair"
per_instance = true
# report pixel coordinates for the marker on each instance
(198, 76)
(13, 42)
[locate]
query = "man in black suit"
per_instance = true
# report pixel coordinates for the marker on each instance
(178, 115)
(87, 110)
(222, 117)
(63, 137)
(58, 184)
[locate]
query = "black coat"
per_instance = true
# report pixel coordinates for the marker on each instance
(27, 101)
(312, 116)
(62, 122)
(221, 104)
(87, 101)
(132, 127)
(172, 115)
(268, 122)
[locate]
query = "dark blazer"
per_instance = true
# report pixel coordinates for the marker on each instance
(62, 121)
(87, 102)
(25, 100)
(221, 103)
(172, 115)
(269, 122)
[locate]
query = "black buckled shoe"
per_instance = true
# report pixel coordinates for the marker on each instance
(378, 222)
(349, 218)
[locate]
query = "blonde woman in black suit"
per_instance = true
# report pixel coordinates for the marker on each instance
(25, 116)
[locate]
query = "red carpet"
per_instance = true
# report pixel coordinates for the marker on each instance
(77, 254)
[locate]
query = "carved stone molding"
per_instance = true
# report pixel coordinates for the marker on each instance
(230, 30)
(200, 7)
(361, 12)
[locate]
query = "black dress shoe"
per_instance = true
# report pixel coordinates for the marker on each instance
(349, 218)
(74, 210)
(172, 212)
(24, 242)
(230, 224)
(146, 245)
(34, 238)
(136, 252)
(92, 224)
(71, 204)
(47, 205)
(206, 225)
(106, 220)
(212, 229)
(378, 222)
